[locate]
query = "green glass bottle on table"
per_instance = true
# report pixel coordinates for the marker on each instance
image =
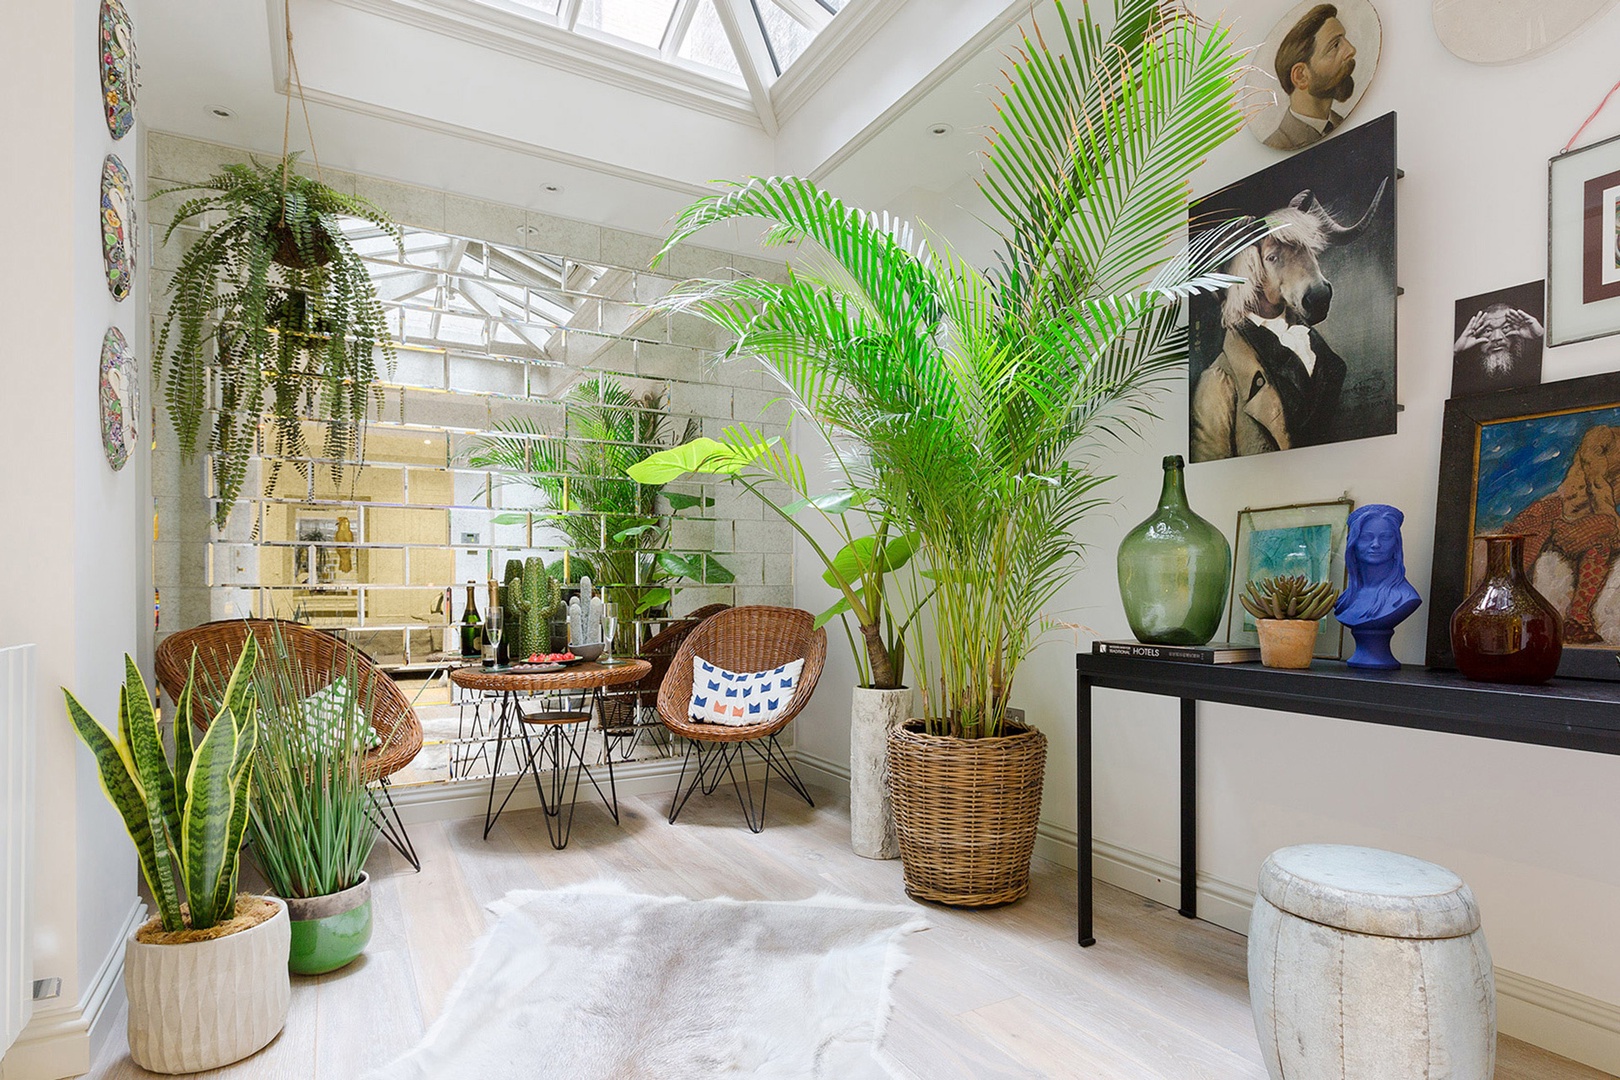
(1174, 569)
(472, 637)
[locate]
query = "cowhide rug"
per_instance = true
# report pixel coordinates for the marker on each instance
(595, 982)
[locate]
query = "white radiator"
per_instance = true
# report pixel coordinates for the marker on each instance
(16, 840)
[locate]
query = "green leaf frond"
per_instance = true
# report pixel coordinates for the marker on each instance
(304, 341)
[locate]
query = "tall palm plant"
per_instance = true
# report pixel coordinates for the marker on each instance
(979, 399)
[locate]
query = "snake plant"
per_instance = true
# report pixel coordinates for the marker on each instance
(274, 300)
(973, 405)
(187, 816)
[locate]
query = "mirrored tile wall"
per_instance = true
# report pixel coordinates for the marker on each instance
(526, 378)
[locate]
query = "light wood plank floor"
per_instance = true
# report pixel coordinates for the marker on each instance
(989, 994)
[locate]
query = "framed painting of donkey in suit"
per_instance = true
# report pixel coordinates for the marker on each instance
(1301, 351)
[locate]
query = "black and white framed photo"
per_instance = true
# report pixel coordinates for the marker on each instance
(1583, 243)
(1301, 351)
(1498, 340)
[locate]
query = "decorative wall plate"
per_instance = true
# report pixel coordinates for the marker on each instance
(1506, 31)
(117, 226)
(117, 67)
(120, 393)
(1334, 56)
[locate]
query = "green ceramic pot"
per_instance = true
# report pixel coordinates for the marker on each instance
(330, 931)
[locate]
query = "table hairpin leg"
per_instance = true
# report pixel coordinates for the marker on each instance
(501, 719)
(557, 750)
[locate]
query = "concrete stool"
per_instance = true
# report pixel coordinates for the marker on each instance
(1368, 965)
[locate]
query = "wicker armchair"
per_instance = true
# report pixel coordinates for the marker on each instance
(217, 645)
(741, 639)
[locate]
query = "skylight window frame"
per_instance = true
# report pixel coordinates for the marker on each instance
(557, 41)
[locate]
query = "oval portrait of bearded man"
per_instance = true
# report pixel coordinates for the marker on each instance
(1316, 64)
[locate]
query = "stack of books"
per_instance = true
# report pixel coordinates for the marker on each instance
(1216, 652)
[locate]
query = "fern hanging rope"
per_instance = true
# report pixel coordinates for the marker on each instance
(274, 299)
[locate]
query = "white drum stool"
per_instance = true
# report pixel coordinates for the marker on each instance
(1368, 965)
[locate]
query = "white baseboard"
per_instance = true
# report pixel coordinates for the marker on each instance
(439, 801)
(1573, 1025)
(62, 1040)
(821, 771)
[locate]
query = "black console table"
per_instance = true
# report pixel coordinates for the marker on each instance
(1570, 713)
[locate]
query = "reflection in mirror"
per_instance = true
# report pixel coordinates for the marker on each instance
(526, 383)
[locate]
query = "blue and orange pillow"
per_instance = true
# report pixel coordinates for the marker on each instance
(741, 699)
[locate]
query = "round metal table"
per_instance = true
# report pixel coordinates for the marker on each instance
(558, 745)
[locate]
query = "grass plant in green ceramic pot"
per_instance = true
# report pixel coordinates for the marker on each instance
(310, 828)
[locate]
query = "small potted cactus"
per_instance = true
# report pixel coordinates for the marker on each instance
(1286, 611)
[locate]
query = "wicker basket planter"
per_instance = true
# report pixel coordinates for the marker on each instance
(965, 811)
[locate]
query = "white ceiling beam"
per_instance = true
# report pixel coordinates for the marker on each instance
(807, 12)
(747, 39)
(680, 21)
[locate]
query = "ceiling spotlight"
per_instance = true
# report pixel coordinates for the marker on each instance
(940, 130)
(221, 112)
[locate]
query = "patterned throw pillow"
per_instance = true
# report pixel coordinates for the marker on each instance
(323, 710)
(740, 700)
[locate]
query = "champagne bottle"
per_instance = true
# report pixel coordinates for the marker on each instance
(472, 638)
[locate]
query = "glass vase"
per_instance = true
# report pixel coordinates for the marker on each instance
(1506, 631)
(1174, 569)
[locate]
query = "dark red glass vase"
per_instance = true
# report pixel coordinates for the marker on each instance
(1506, 631)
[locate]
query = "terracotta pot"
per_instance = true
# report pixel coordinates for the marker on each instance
(205, 1004)
(1287, 643)
(965, 812)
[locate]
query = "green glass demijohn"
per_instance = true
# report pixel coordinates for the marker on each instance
(1174, 569)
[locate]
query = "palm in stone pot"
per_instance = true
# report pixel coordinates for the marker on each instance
(976, 397)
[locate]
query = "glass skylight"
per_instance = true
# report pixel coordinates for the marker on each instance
(711, 37)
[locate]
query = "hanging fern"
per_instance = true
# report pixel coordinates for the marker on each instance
(286, 307)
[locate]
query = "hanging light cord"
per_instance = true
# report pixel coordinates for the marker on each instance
(293, 80)
(1589, 119)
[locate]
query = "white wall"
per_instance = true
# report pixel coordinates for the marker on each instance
(72, 545)
(1533, 830)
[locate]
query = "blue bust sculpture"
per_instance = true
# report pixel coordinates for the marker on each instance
(1377, 596)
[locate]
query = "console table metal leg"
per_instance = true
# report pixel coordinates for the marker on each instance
(1083, 807)
(1189, 808)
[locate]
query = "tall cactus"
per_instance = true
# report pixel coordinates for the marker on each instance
(541, 597)
(512, 607)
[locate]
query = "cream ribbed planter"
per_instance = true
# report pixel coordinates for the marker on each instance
(872, 715)
(207, 1003)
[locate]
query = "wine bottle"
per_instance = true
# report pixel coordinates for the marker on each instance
(472, 638)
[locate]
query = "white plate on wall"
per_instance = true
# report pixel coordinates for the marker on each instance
(1507, 31)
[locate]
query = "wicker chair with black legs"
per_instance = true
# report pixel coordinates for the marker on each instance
(217, 645)
(741, 639)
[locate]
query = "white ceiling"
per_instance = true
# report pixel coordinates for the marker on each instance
(398, 89)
